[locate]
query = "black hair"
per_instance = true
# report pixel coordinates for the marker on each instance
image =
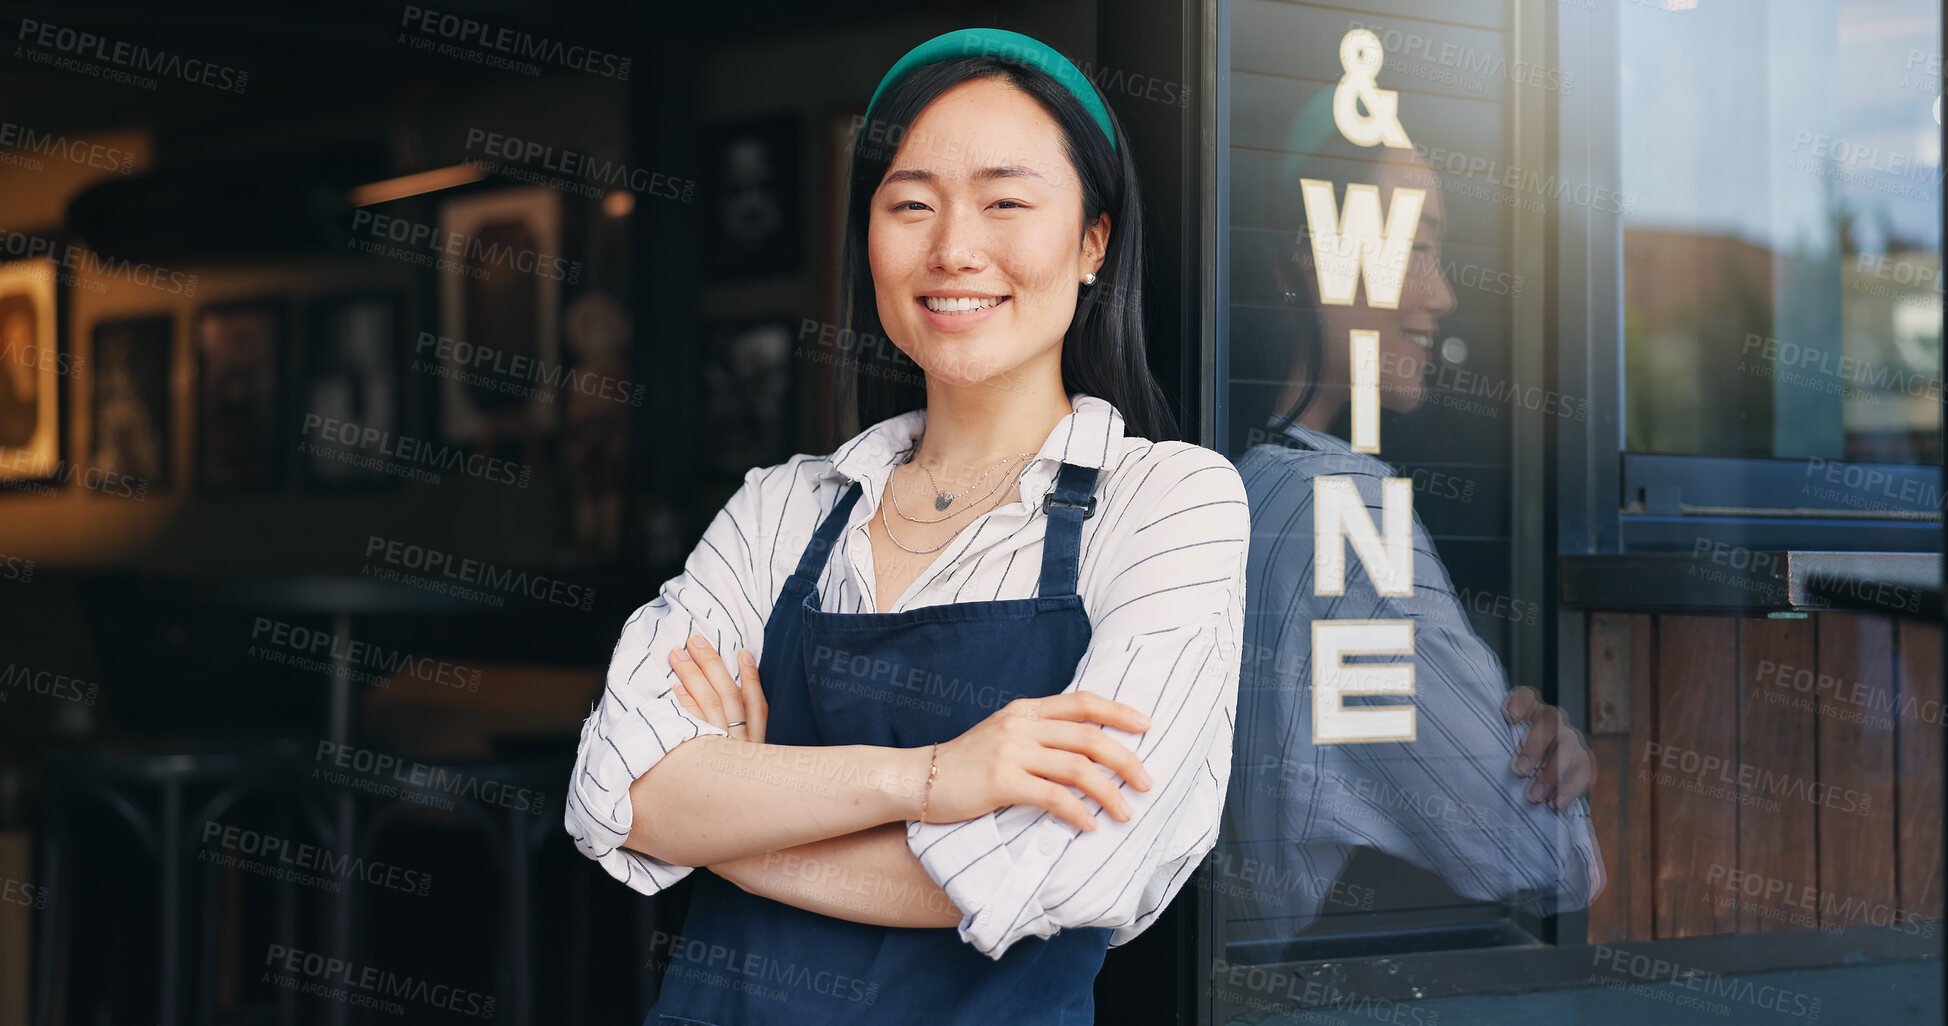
(1103, 350)
(1293, 344)
(1286, 341)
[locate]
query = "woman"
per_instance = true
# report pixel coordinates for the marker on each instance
(1489, 792)
(1010, 605)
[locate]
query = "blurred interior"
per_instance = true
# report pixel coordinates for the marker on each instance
(207, 590)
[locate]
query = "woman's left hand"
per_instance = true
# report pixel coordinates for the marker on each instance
(1553, 753)
(706, 689)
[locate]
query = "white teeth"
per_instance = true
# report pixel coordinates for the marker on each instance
(962, 305)
(1423, 341)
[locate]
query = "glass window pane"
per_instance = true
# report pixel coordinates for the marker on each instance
(1355, 242)
(1782, 275)
(1420, 201)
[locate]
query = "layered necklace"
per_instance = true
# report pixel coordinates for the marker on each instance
(943, 499)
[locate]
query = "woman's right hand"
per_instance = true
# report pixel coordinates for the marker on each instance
(1029, 753)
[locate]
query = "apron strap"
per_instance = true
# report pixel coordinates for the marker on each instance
(812, 560)
(1071, 501)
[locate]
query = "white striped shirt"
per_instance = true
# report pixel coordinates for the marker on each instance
(1161, 578)
(1446, 801)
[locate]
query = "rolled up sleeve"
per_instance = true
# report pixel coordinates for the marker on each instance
(1165, 603)
(638, 719)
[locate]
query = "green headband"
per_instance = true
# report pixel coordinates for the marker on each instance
(1310, 127)
(1013, 46)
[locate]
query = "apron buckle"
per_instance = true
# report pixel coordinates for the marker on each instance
(1088, 510)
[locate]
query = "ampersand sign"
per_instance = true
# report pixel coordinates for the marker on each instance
(1360, 56)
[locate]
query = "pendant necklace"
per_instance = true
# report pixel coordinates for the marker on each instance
(888, 527)
(942, 499)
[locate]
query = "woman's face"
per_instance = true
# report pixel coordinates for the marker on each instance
(1406, 332)
(980, 209)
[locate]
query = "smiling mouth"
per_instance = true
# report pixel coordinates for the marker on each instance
(962, 305)
(1420, 339)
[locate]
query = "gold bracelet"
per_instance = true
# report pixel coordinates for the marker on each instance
(933, 770)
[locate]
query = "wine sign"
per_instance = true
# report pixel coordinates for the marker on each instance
(1350, 244)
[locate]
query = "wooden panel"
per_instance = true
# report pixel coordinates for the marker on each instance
(1609, 913)
(1777, 837)
(1637, 862)
(1917, 726)
(1609, 655)
(1610, 793)
(1827, 732)
(1695, 772)
(1854, 795)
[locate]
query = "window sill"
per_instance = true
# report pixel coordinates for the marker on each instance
(1729, 579)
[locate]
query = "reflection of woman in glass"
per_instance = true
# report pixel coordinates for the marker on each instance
(1488, 792)
(997, 630)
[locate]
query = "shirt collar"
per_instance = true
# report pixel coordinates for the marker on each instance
(1085, 437)
(1291, 428)
(1314, 439)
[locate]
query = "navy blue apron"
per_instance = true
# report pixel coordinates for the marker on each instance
(899, 680)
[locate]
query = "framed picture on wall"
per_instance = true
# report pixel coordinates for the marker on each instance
(131, 406)
(751, 195)
(31, 367)
(239, 375)
(349, 375)
(502, 315)
(747, 408)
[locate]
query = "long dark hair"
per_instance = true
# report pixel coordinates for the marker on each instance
(1102, 353)
(1283, 340)
(1292, 346)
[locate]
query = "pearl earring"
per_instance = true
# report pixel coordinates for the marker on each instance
(1089, 279)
